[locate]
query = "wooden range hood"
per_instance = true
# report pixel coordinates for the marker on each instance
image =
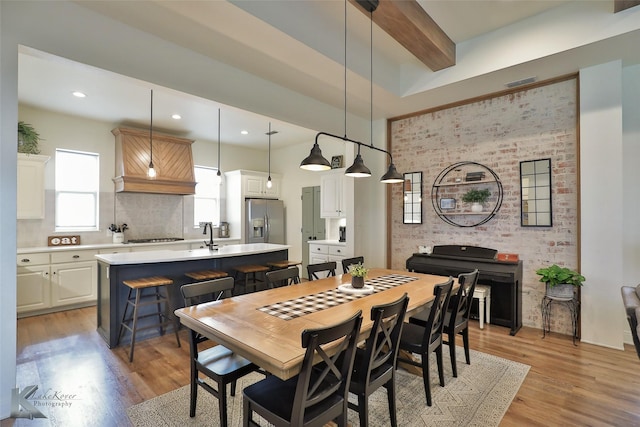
(172, 160)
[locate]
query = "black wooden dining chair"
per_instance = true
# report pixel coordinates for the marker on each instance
(283, 277)
(374, 366)
(317, 395)
(424, 340)
(348, 262)
(456, 319)
(328, 268)
(218, 362)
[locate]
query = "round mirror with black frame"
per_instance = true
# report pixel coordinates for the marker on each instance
(467, 194)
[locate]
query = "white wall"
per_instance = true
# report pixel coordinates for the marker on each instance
(630, 179)
(601, 204)
(8, 132)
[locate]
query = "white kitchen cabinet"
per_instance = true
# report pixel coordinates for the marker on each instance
(337, 253)
(55, 281)
(33, 288)
(332, 203)
(30, 197)
(325, 252)
(73, 283)
(255, 185)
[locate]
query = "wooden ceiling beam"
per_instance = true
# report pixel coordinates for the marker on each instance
(620, 5)
(408, 23)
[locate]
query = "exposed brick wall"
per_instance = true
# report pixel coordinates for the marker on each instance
(500, 133)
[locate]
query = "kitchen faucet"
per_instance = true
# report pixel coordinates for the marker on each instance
(210, 244)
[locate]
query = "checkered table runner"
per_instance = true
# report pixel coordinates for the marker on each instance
(308, 304)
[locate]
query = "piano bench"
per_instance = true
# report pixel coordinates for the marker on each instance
(483, 293)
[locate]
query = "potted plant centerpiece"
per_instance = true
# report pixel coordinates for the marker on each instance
(358, 273)
(477, 198)
(561, 282)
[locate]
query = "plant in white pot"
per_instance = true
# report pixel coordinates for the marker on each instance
(477, 198)
(358, 273)
(561, 282)
(118, 232)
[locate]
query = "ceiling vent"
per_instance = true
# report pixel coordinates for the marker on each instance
(521, 82)
(172, 161)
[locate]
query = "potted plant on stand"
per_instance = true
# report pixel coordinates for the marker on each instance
(477, 198)
(561, 282)
(358, 273)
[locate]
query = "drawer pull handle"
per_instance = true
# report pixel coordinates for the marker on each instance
(25, 260)
(76, 256)
(338, 250)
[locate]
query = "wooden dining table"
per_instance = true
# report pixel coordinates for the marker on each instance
(244, 324)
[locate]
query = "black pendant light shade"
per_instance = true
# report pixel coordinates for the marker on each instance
(315, 161)
(392, 176)
(358, 168)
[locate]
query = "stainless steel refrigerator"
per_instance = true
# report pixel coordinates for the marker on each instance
(265, 221)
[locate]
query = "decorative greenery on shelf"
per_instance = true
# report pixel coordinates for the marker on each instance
(358, 270)
(556, 275)
(476, 196)
(28, 139)
(118, 228)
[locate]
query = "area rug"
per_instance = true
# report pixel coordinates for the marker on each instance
(480, 396)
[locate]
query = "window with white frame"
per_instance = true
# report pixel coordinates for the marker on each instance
(206, 205)
(77, 190)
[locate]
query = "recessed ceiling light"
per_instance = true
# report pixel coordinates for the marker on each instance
(176, 116)
(79, 94)
(244, 132)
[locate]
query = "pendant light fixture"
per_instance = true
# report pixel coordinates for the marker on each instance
(315, 161)
(358, 168)
(269, 182)
(219, 174)
(151, 173)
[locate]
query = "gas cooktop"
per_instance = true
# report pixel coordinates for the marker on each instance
(155, 240)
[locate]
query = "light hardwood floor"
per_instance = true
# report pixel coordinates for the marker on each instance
(566, 385)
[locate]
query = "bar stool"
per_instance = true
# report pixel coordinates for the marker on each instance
(206, 275)
(153, 286)
(483, 294)
(250, 271)
(280, 265)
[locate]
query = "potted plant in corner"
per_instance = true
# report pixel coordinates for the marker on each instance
(358, 273)
(561, 282)
(28, 139)
(477, 198)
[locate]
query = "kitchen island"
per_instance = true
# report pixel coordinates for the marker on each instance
(114, 268)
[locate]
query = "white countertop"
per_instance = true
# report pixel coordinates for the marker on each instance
(328, 242)
(98, 246)
(188, 255)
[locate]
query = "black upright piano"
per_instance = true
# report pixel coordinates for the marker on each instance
(504, 277)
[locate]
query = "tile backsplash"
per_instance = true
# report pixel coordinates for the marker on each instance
(150, 215)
